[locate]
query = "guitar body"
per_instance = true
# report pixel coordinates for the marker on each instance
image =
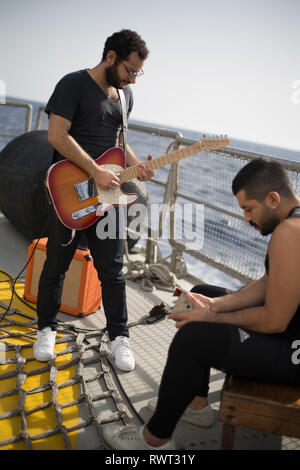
(75, 196)
(79, 202)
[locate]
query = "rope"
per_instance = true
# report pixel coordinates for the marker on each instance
(80, 342)
(87, 347)
(151, 275)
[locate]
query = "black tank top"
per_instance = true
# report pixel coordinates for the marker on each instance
(293, 330)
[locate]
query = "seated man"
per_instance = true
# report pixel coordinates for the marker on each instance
(248, 333)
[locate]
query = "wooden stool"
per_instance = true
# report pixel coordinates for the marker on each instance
(256, 405)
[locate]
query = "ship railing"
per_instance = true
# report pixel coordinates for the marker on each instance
(216, 234)
(27, 107)
(203, 183)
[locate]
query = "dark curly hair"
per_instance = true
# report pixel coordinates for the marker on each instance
(123, 43)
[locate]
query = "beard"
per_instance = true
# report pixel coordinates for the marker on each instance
(268, 222)
(112, 76)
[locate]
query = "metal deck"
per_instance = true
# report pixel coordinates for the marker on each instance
(150, 345)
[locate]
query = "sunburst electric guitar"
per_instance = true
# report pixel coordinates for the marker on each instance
(77, 200)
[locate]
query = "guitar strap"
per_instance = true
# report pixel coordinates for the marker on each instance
(124, 117)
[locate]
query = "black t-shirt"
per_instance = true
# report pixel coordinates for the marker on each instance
(96, 121)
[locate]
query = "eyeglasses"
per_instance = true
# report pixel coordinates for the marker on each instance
(132, 74)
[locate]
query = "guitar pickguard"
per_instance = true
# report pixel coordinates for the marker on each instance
(106, 198)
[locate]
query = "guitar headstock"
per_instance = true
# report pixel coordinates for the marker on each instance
(213, 143)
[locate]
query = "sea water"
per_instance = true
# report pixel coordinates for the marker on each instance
(12, 121)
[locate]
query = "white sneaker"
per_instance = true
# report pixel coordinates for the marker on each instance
(122, 354)
(203, 418)
(131, 438)
(43, 349)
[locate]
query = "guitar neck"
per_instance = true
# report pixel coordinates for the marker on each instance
(132, 171)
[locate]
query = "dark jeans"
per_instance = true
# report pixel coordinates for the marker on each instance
(198, 346)
(108, 260)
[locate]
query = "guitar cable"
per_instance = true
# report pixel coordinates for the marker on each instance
(14, 280)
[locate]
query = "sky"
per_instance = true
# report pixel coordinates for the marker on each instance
(216, 66)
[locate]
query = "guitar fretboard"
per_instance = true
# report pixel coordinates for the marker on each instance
(132, 171)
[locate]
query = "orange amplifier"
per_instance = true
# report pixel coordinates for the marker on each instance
(82, 288)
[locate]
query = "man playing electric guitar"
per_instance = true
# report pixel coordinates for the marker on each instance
(85, 118)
